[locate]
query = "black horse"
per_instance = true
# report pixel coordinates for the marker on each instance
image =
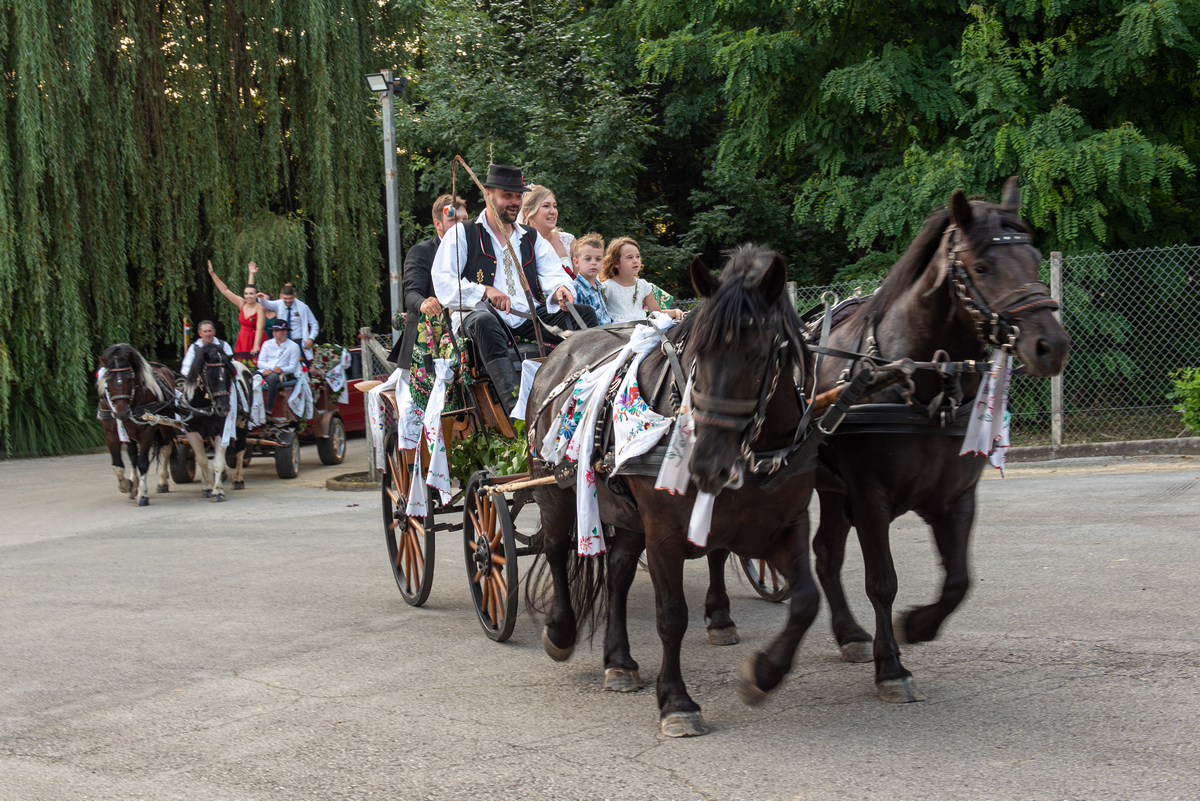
(130, 387)
(211, 386)
(969, 280)
(742, 344)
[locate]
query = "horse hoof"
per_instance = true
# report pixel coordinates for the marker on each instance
(899, 691)
(237, 485)
(621, 680)
(164, 488)
(683, 724)
(748, 689)
(124, 485)
(221, 498)
(143, 501)
(726, 636)
(208, 493)
(556, 653)
(858, 652)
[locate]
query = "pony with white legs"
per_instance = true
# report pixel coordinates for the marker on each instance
(215, 410)
(132, 393)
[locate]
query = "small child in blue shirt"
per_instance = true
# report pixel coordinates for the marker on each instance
(588, 258)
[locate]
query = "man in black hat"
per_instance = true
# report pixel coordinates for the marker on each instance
(473, 265)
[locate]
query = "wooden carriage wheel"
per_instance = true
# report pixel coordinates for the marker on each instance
(765, 579)
(490, 547)
(410, 540)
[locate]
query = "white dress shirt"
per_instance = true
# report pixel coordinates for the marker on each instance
(195, 347)
(303, 321)
(452, 289)
(286, 357)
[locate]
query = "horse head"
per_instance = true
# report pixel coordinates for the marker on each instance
(989, 258)
(212, 378)
(738, 349)
(127, 377)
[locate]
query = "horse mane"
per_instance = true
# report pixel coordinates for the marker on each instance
(122, 352)
(720, 317)
(987, 221)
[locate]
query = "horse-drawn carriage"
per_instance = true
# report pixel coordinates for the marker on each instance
(296, 415)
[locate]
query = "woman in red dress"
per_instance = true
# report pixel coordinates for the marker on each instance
(251, 316)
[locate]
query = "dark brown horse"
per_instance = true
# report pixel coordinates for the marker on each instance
(744, 346)
(969, 280)
(130, 387)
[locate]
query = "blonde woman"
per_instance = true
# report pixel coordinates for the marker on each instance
(628, 296)
(539, 210)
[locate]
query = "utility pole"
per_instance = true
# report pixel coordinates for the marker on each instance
(384, 85)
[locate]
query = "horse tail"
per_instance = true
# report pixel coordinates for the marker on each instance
(587, 582)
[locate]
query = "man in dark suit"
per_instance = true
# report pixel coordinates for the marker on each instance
(419, 297)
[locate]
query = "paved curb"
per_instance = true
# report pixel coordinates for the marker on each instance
(351, 482)
(1144, 447)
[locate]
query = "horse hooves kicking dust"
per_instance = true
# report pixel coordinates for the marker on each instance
(899, 691)
(748, 689)
(858, 652)
(556, 653)
(684, 724)
(143, 501)
(725, 636)
(622, 680)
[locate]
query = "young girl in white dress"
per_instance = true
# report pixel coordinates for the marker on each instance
(628, 297)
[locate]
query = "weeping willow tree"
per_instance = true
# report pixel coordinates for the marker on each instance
(139, 139)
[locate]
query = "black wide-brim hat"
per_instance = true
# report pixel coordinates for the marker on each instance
(279, 322)
(501, 176)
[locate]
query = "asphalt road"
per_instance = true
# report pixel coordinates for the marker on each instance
(259, 649)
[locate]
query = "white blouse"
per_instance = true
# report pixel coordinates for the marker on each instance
(625, 302)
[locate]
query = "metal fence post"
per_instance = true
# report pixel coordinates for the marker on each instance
(1056, 383)
(367, 373)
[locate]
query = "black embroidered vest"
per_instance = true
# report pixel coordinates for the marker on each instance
(481, 261)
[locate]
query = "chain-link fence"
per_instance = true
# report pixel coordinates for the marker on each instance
(1134, 319)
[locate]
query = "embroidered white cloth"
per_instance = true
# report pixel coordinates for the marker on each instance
(636, 427)
(375, 411)
(676, 471)
(529, 369)
(988, 429)
(336, 377)
(408, 423)
(300, 401)
(438, 476)
(258, 409)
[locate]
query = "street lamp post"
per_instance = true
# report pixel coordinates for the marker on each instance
(384, 85)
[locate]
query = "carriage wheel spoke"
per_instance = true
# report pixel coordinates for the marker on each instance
(497, 559)
(417, 553)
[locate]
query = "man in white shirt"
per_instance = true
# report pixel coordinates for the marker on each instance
(473, 268)
(279, 358)
(208, 336)
(301, 322)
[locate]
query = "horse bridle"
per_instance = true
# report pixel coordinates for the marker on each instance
(746, 414)
(993, 321)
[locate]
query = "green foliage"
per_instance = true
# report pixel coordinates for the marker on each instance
(490, 451)
(873, 113)
(1187, 392)
(138, 140)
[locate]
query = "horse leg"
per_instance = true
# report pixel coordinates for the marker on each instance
(763, 672)
(143, 469)
(164, 464)
(679, 715)
(132, 471)
(116, 450)
(620, 670)
(952, 532)
(829, 545)
(721, 629)
(218, 462)
(239, 476)
(559, 630)
(893, 682)
(197, 443)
